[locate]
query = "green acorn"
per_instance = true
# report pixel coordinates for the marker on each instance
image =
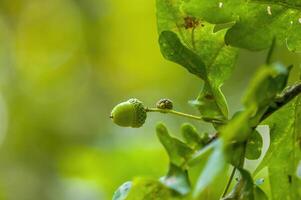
(129, 114)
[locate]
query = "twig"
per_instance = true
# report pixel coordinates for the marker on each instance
(229, 182)
(240, 166)
(201, 118)
(287, 95)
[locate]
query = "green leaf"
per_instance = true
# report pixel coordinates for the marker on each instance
(257, 22)
(239, 128)
(254, 146)
(236, 151)
(214, 169)
(177, 179)
(150, 189)
(191, 42)
(202, 154)
(262, 91)
(259, 194)
(244, 189)
(266, 84)
(173, 50)
(207, 102)
(192, 138)
(178, 152)
(284, 153)
(176, 183)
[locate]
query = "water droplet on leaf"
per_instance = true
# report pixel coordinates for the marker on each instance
(269, 10)
(259, 181)
(220, 4)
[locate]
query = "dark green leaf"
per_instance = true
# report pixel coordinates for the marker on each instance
(244, 189)
(172, 49)
(284, 153)
(236, 152)
(259, 194)
(254, 146)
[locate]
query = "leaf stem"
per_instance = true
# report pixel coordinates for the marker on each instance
(287, 95)
(240, 166)
(200, 118)
(229, 182)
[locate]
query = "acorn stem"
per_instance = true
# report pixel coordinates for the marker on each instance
(200, 118)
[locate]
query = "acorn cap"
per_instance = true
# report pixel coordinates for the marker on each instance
(164, 104)
(129, 114)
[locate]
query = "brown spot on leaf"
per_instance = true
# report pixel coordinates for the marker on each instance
(209, 97)
(190, 22)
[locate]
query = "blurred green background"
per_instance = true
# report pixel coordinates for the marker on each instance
(63, 65)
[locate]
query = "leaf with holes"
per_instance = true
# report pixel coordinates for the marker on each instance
(253, 24)
(192, 43)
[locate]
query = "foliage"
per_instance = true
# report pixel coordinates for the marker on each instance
(255, 22)
(204, 37)
(284, 154)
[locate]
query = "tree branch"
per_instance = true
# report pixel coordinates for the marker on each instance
(287, 95)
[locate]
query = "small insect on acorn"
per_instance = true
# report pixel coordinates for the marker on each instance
(130, 113)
